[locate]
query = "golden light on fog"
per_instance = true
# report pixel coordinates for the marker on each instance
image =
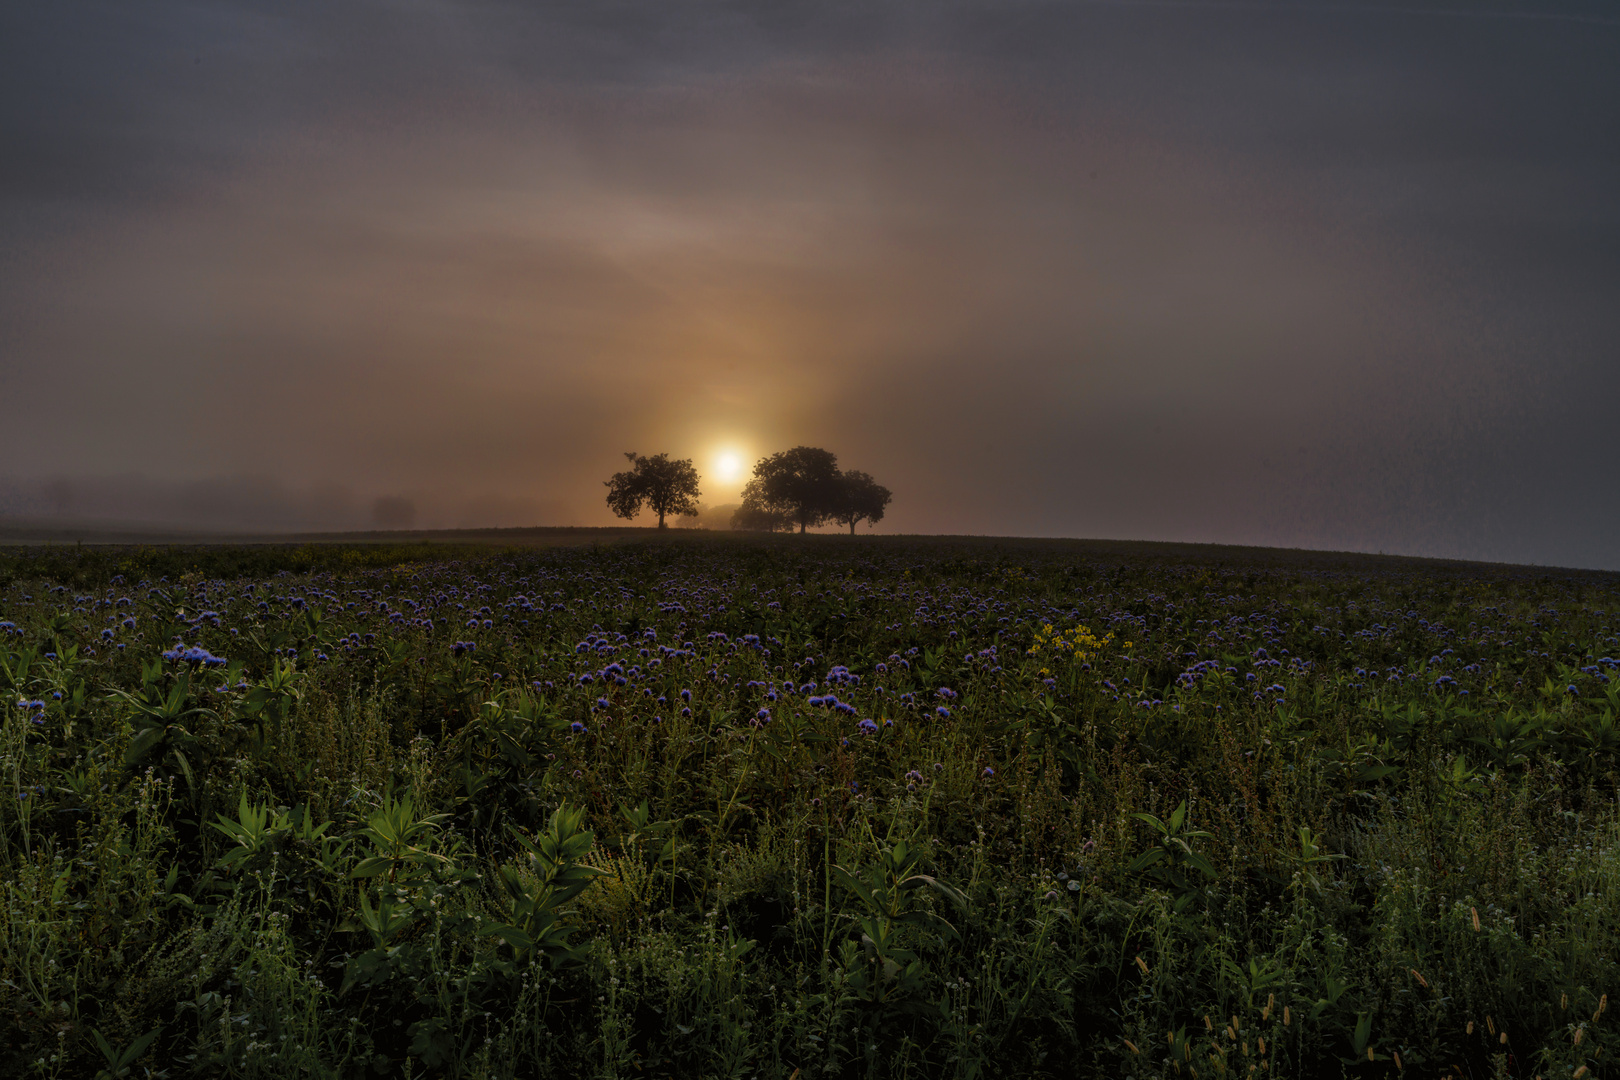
(728, 466)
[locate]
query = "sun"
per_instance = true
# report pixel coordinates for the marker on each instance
(727, 466)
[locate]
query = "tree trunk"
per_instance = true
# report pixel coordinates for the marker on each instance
(661, 519)
(852, 526)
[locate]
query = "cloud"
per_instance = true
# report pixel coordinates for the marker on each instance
(1327, 275)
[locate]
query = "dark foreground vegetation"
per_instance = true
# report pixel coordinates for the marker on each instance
(804, 806)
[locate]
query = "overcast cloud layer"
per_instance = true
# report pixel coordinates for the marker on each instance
(1338, 275)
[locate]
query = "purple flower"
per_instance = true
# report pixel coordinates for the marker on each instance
(867, 727)
(194, 654)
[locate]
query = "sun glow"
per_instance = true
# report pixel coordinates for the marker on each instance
(727, 466)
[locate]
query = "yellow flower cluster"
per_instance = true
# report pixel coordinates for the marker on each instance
(1079, 643)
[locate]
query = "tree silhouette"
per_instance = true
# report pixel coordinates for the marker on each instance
(754, 516)
(859, 497)
(801, 483)
(665, 486)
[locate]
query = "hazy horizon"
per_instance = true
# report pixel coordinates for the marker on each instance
(1322, 275)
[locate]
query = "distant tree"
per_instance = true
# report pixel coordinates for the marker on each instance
(860, 498)
(665, 486)
(754, 516)
(801, 483)
(718, 517)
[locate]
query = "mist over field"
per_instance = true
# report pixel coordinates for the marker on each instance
(1321, 275)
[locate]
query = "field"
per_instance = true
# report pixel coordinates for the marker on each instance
(805, 806)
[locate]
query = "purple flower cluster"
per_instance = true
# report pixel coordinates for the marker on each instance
(193, 654)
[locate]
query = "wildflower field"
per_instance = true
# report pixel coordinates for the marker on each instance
(805, 806)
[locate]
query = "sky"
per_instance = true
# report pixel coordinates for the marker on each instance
(1327, 275)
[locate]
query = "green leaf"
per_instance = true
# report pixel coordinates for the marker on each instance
(1199, 863)
(512, 935)
(955, 896)
(371, 867)
(851, 883)
(185, 767)
(1363, 1032)
(142, 744)
(106, 1050)
(138, 1047)
(1159, 826)
(1150, 857)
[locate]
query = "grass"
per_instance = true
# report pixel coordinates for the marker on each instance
(719, 806)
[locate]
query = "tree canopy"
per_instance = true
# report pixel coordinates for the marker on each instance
(664, 486)
(805, 487)
(755, 516)
(800, 483)
(859, 498)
